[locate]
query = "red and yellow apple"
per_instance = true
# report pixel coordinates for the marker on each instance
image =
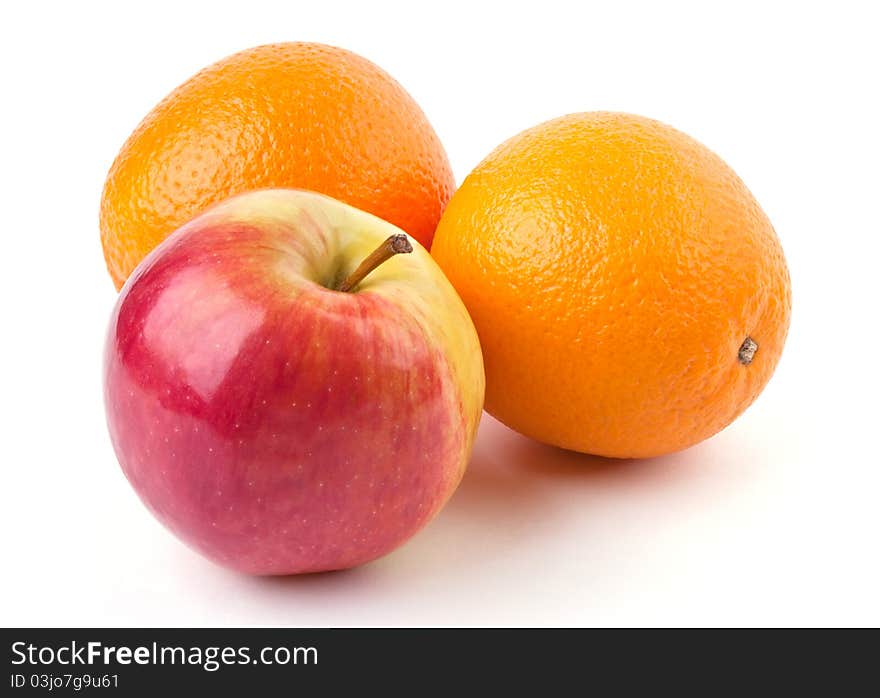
(274, 423)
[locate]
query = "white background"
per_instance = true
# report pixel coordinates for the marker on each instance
(774, 521)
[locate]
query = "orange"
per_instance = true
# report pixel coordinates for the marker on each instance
(630, 295)
(294, 115)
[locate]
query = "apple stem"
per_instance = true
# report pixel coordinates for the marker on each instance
(396, 244)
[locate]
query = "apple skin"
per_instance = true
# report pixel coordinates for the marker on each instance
(273, 424)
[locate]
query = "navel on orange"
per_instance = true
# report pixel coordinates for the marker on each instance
(630, 295)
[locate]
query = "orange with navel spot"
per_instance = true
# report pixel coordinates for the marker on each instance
(630, 295)
(297, 115)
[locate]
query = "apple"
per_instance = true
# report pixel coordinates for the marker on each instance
(286, 390)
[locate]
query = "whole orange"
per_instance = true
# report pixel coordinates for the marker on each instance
(297, 115)
(630, 295)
